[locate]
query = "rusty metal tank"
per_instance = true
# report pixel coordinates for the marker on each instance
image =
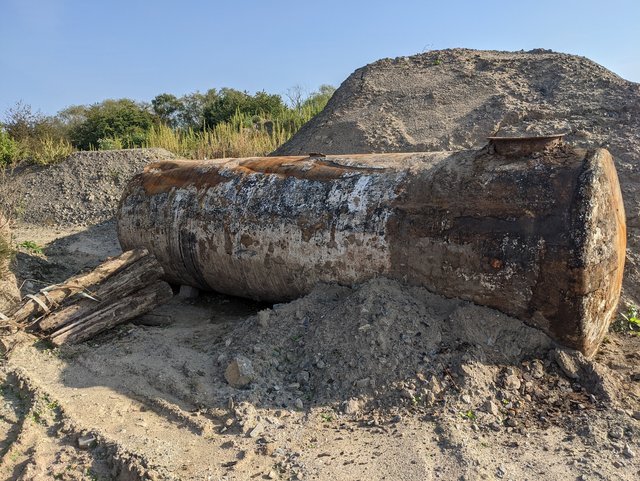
(528, 226)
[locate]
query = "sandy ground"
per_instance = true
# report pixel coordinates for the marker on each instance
(331, 398)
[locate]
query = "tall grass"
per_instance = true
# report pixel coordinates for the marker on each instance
(242, 136)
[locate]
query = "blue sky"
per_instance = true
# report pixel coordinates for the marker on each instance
(56, 53)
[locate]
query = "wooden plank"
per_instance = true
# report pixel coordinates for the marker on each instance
(113, 314)
(130, 279)
(54, 295)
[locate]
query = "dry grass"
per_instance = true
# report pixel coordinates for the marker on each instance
(242, 136)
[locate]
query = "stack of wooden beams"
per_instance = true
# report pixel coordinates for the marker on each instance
(117, 291)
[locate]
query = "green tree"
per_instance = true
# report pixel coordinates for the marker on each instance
(191, 115)
(229, 101)
(121, 119)
(168, 107)
(317, 100)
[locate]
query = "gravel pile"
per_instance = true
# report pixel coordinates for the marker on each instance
(82, 190)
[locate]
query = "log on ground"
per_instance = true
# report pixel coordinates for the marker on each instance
(128, 280)
(53, 296)
(113, 314)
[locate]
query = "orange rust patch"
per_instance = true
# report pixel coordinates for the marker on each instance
(496, 264)
(301, 167)
(161, 177)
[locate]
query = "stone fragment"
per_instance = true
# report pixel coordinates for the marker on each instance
(352, 406)
(568, 361)
(491, 408)
(537, 369)
(512, 382)
(257, 430)
(239, 372)
(263, 317)
(303, 377)
(362, 383)
(616, 432)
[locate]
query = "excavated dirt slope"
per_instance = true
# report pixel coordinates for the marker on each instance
(454, 99)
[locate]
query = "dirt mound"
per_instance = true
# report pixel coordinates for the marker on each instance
(344, 342)
(454, 99)
(84, 189)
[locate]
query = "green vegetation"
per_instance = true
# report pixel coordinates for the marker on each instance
(630, 321)
(9, 151)
(469, 414)
(326, 417)
(224, 123)
(31, 246)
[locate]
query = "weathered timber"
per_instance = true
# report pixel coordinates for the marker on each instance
(537, 232)
(129, 279)
(115, 313)
(54, 295)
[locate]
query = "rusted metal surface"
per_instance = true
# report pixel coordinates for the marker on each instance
(540, 236)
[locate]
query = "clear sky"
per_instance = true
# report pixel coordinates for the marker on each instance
(56, 53)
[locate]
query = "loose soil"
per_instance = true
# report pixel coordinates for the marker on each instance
(375, 381)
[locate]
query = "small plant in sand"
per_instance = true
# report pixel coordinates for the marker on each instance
(629, 321)
(633, 318)
(31, 246)
(469, 414)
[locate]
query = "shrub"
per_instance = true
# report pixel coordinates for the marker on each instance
(123, 119)
(109, 144)
(9, 150)
(230, 101)
(47, 150)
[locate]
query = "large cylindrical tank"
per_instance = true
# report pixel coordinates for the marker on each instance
(528, 226)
